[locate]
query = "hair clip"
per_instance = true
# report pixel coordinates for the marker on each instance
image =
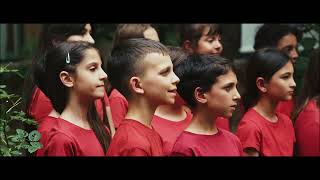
(68, 58)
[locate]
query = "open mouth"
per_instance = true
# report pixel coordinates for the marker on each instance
(173, 91)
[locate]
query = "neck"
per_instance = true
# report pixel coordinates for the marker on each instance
(141, 110)
(203, 122)
(171, 112)
(267, 108)
(76, 111)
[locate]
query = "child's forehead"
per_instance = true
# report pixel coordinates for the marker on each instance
(156, 60)
(90, 56)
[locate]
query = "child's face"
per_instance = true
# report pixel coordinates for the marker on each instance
(223, 96)
(281, 85)
(289, 44)
(151, 33)
(209, 44)
(89, 77)
(85, 37)
(159, 82)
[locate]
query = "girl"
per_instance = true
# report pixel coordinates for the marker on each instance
(201, 38)
(36, 104)
(306, 112)
(76, 81)
(263, 131)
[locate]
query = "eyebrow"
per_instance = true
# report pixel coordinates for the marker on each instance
(165, 69)
(93, 64)
(230, 84)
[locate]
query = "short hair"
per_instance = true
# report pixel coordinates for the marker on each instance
(126, 61)
(128, 31)
(269, 35)
(200, 70)
(177, 55)
(193, 32)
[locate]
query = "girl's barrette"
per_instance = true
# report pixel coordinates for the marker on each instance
(68, 58)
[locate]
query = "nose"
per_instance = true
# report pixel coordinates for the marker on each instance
(292, 83)
(175, 78)
(103, 75)
(237, 96)
(218, 46)
(89, 38)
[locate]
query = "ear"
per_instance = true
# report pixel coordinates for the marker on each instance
(187, 46)
(261, 84)
(136, 85)
(66, 79)
(200, 96)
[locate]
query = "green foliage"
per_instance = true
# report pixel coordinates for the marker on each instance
(13, 140)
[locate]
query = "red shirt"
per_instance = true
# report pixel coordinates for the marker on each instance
(119, 107)
(40, 106)
(223, 143)
(285, 107)
(67, 139)
(307, 130)
(223, 123)
(269, 139)
(135, 139)
(170, 130)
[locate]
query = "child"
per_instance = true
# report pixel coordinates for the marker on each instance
(76, 81)
(170, 120)
(141, 70)
(306, 113)
(36, 104)
(208, 84)
(203, 39)
(284, 38)
(263, 131)
(118, 102)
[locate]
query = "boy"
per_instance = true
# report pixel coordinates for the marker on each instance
(142, 71)
(123, 32)
(208, 84)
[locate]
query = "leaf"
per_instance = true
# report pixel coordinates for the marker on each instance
(32, 149)
(5, 151)
(16, 153)
(22, 133)
(34, 135)
(25, 146)
(36, 145)
(308, 43)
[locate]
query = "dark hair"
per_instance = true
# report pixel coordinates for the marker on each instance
(311, 87)
(193, 32)
(54, 62)
(128, 31)
(49, 34)
(200, 71)
(177, 55)
(269, 35)
(126, 61)
(262, 63)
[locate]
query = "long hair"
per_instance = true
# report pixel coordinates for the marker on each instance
(55, 62)
(311, 87)
(263, 63)
(50, 33)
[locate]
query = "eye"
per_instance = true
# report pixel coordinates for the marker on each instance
(228, 88)
(165, 72)
(92, 69)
